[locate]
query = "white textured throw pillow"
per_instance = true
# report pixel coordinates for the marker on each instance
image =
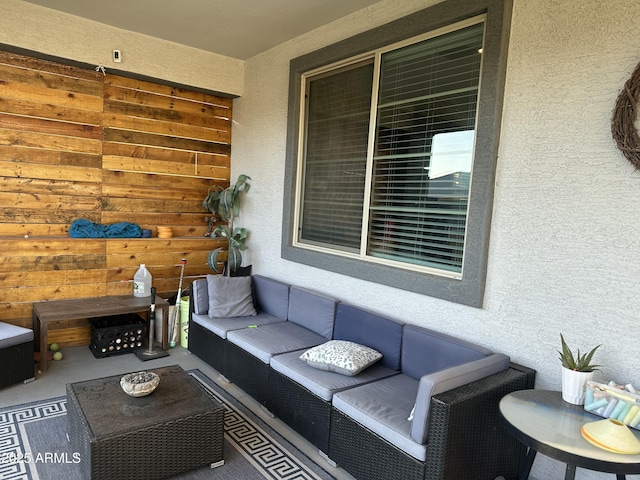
(341, 356)
(230, 296)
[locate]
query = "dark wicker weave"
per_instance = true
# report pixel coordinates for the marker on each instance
(177, 428)
(208, 346)
(247, 371)
(17, 364)
(303, 411)
(366, 455)
(466, 440)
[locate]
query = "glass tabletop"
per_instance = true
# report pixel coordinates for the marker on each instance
(543, 421)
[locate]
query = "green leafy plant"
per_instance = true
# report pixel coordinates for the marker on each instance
(580, 362)
(225, 203)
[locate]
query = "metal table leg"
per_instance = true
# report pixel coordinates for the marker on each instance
(526, 468)
(570, 472)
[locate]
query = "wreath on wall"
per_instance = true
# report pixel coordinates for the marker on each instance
(625, 113)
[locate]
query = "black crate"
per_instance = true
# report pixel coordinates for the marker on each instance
(116, 334)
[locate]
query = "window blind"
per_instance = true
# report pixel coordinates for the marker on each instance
(338, 111)
(425, 126)
(424, 131)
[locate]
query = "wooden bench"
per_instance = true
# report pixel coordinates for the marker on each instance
(57, 310)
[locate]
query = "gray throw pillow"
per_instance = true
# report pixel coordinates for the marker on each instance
(230, 296)
(341, 356)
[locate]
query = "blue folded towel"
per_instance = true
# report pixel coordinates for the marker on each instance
(82, 228)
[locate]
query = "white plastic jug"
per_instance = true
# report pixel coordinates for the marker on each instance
(142, 282)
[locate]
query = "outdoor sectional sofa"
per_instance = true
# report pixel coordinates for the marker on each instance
(16, 354)
(427, 409)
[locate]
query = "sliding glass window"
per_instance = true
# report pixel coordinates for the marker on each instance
(386, 152)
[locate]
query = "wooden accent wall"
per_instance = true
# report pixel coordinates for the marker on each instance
(75, 143)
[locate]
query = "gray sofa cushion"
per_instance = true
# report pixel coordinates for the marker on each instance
(269, 340)
(271, 296)
(383, 407)
(221, 326)
(312, 310)
(446, 380)
(11, 335)
(372, 330)
(323, 383)
(200, 293)
(425, 351)
(230, 296)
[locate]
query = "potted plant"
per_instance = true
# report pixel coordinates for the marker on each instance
(225, 203)
(576, 372)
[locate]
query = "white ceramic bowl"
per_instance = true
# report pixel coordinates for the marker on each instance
(139, 384)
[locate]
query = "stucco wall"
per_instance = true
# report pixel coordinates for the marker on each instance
(565, 230)
(58, 34)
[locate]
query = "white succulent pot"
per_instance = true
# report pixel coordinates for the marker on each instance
(573, 385)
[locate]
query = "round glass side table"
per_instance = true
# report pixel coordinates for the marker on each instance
(545, 423)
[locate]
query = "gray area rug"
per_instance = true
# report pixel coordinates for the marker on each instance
(34, 445)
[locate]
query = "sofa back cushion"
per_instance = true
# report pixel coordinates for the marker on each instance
(230, 297)
(271, 296)
(200, 294)
(448, 379)
(312, 310)
(372, 330)
(425, 351)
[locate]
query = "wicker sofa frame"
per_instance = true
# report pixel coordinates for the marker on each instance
(208, 346)
(229, 360)
(17, 364)
(248, 372)
(305, 412)
(465, 433)
(465, 439)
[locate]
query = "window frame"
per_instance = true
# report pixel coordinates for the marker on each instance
(468, 290)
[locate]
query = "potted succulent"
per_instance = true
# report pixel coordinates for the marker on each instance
(225, 203)
(576, 372)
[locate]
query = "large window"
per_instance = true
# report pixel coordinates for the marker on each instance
(395, 189)
(386, 147)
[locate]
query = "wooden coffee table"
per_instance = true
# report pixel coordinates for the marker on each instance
(176, 428)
